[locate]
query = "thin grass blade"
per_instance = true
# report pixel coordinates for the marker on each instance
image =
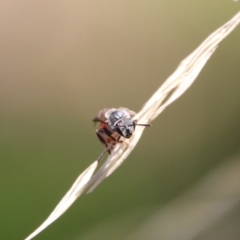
(172, 89)
(70, 197)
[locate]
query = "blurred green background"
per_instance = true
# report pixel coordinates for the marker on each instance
(63, 61)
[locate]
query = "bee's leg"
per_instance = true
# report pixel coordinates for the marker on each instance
(118, 140)
(102, 154)
(100, 134)
(109, 134)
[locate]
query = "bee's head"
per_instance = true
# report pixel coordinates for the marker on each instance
(121, 122)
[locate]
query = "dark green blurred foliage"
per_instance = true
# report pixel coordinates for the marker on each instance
(61, 62)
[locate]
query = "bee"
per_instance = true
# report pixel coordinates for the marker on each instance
(114, 125)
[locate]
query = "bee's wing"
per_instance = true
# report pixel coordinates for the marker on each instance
(103, 114)
(130, 112)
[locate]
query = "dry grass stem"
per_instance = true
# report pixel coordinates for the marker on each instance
(172, 88)
(70, 197)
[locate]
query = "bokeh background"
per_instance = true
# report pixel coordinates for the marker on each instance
(63, 61)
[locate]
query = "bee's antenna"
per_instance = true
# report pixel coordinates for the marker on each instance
(144, 125)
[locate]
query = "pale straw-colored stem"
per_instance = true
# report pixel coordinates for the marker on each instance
(171, 89)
